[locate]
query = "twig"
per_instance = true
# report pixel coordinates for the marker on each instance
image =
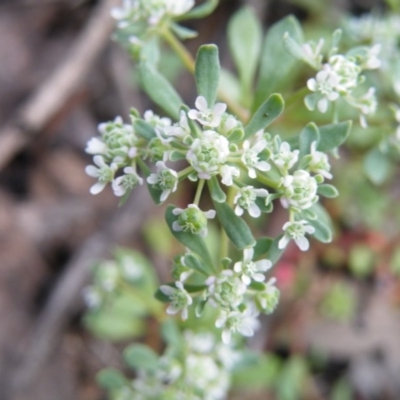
(66, 297)
(44, 105)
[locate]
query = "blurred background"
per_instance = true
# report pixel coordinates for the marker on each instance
(336, 333)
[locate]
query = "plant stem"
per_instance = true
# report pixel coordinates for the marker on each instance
(295, 97)
(224, 244)
(189, 64)
(199, 190)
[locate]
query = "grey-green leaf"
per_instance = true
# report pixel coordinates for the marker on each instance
(160, 90)
(143, 129)
(245, 39)
(237, 230)
(322, 224)
(207, 71)
(327, 190)
(377, 166)
(201, 11)
(215, 190)
(308, 135)
(111, 379)
(139, 356)
(193, 262)
(191, 241)
(276, 63)
(332, 136)
(271, 109)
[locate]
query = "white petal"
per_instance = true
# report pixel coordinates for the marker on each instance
(219, 108)
(164, 195)
(246, 330)
(239, 210)
(167, 290)
(261, 192)
(92, 171)
(99, 161)
(303, 243)
(171, 310)
(248, 254)
(193, 114)
(312, 84)
(201, 103)
(283, 242)
(226, 336)
(97, 187)
(210, 214)
(323, 105)
(263, 166)
(152, 179)
(254, 210)
(176, 227)
(263, 265)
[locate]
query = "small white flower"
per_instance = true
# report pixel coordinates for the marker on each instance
(296, 231)
(284, 159)
(251, 159)
(312, 52)
(227, 173)
(347, 72)
(206, 116)
(180, 299)
(225, 290)
(192, 219)
(92, 297)
(228, 123)
(300, 190)
(165, 179)
(251, 270)
(319, 162)
(181, 128)
(235, 321)
(206, 154)
(268, 298)
(325, 85)
(245, 199)
(126, 182)
(372, 61)
(104, 174)
(367, 105)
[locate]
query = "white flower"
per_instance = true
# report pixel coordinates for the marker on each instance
(96, 146)
(325, 85)
(165, 179)
(181, 128)
(319, 162)
(285, 158)
(206, 154)
(228, 123)
(92, 297)
(312, 52)
(126, 182)
(206, 116)
(180, 299)
(192, 219)
(296, 231)
(225, 290)
(300, 190)
(228, 172)
(245, 199)
(103, 173)
(269, 297)
(347, 72)
(372, 61)
(367, 104)
(250, 157)
(235, 321)
(251, 269)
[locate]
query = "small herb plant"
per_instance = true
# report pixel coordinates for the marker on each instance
(250, 142)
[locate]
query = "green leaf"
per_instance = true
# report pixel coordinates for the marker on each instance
(322, 223)
(377, 166)
(230, 85)
(182, 32)
(191, 241)
(207, 71)
(327, 190)
(245, 39)
(159, 89)
(266, 114)
(171, 333)
(150, 52)
(202, 10)
(237, 230)
(139, 356)
(111, 379)
(196, 264)
(215, 190)
(262, 247)
(308, 135)
(332, 136)
(276, 63)
(144, 129)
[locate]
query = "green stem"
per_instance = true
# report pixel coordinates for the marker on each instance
(266, 181)
(185, 172)
(189, 63)
(224, 244)
(296, 96)
(199, 190)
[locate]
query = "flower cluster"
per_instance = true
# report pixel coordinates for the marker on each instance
(199, 370)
